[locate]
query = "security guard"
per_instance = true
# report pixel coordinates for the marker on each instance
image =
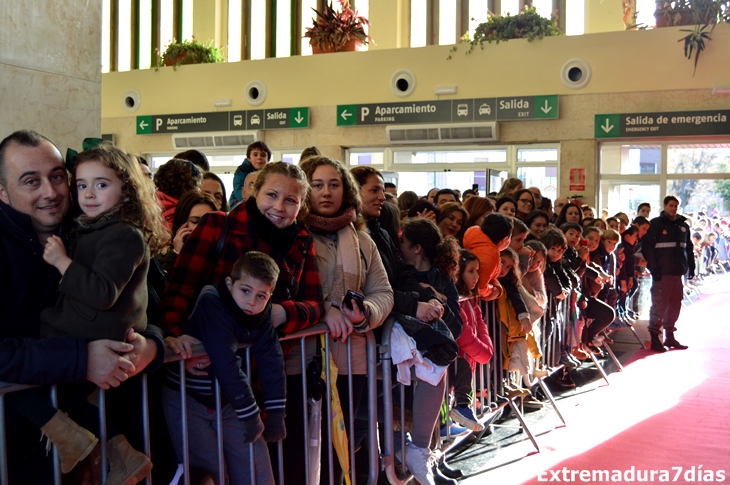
(668, 251)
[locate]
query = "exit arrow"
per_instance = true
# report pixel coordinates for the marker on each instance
(143, 125)
(345, 115)
(299, 118)
(607, 126)
(547, 108)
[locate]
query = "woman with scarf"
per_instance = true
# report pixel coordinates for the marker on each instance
(347, 259)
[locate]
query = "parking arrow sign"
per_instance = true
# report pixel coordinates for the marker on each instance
(144, 125)
(607, 126)
(346, 114)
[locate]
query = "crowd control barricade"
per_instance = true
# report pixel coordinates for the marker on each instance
(198, 351)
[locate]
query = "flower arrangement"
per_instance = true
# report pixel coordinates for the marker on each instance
(189, 52)
(336, 30)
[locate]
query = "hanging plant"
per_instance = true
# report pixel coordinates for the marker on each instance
(694, 42)
(189, 52)
(528, 24)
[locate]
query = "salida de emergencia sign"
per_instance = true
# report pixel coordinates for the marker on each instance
(676, 123)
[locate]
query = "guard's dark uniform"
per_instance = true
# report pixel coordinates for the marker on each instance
(668, 251)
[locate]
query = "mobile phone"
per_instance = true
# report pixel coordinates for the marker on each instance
(351, 296)
(583, 242)
(475, 188)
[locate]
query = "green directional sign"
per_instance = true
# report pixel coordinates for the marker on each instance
(144, 125)
(546, 107)
(666, 123)
(346, 114)
(298, 117)
(608, 126)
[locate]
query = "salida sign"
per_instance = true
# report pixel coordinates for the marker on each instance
(679, 123)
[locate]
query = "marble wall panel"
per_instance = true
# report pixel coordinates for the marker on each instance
(64, 109)
(61, 37)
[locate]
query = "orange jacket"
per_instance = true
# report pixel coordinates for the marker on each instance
(489, 265)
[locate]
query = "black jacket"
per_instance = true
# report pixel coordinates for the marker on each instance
(28, 285)
(407, 292)
(221, 326)
(667, 247)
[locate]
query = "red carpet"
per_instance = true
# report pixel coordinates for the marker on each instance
(666, 412)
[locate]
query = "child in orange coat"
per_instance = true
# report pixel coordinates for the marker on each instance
(486, 242)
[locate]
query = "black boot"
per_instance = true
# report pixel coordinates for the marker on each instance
(447, 471)
(656, 345)
(671, 343)
(441, 479)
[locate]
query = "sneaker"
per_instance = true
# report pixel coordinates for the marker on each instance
(566, 360)
(465, 417)
(453, 430)
(420, 462)
(566, 382)
(580, 354)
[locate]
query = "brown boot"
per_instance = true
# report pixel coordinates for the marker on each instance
(127, 466)
(73, 442)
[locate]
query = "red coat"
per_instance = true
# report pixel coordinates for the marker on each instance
(199, 265)
(475, 345)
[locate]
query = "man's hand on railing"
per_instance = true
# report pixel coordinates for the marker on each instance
(105, 367)
(144, 351)
(182, 345)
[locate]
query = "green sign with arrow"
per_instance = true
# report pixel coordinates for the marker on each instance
(298, 117)
(665, 123)
(346, 115)
(607, 126)
(144, 125)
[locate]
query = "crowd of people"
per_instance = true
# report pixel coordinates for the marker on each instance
(108, 266)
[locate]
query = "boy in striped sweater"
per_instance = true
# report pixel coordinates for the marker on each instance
(235, 310)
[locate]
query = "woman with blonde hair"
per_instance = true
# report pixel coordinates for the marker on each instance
(509, 187)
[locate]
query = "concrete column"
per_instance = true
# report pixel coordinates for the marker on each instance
(391, 23)
(604, 16)
(50, 69)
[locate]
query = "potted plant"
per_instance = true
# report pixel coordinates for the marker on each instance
(528, 24)
(337, 30)
(688, 12)
(189, 52)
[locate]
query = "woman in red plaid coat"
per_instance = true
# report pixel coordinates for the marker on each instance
(266, 222)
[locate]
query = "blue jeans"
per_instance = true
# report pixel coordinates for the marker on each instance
(203, 448)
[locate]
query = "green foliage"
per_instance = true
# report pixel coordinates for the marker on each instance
(528, 24)
(189, 52)
(333, 29)
(695, 42)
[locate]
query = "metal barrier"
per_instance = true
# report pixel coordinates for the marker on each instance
(198, 351)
